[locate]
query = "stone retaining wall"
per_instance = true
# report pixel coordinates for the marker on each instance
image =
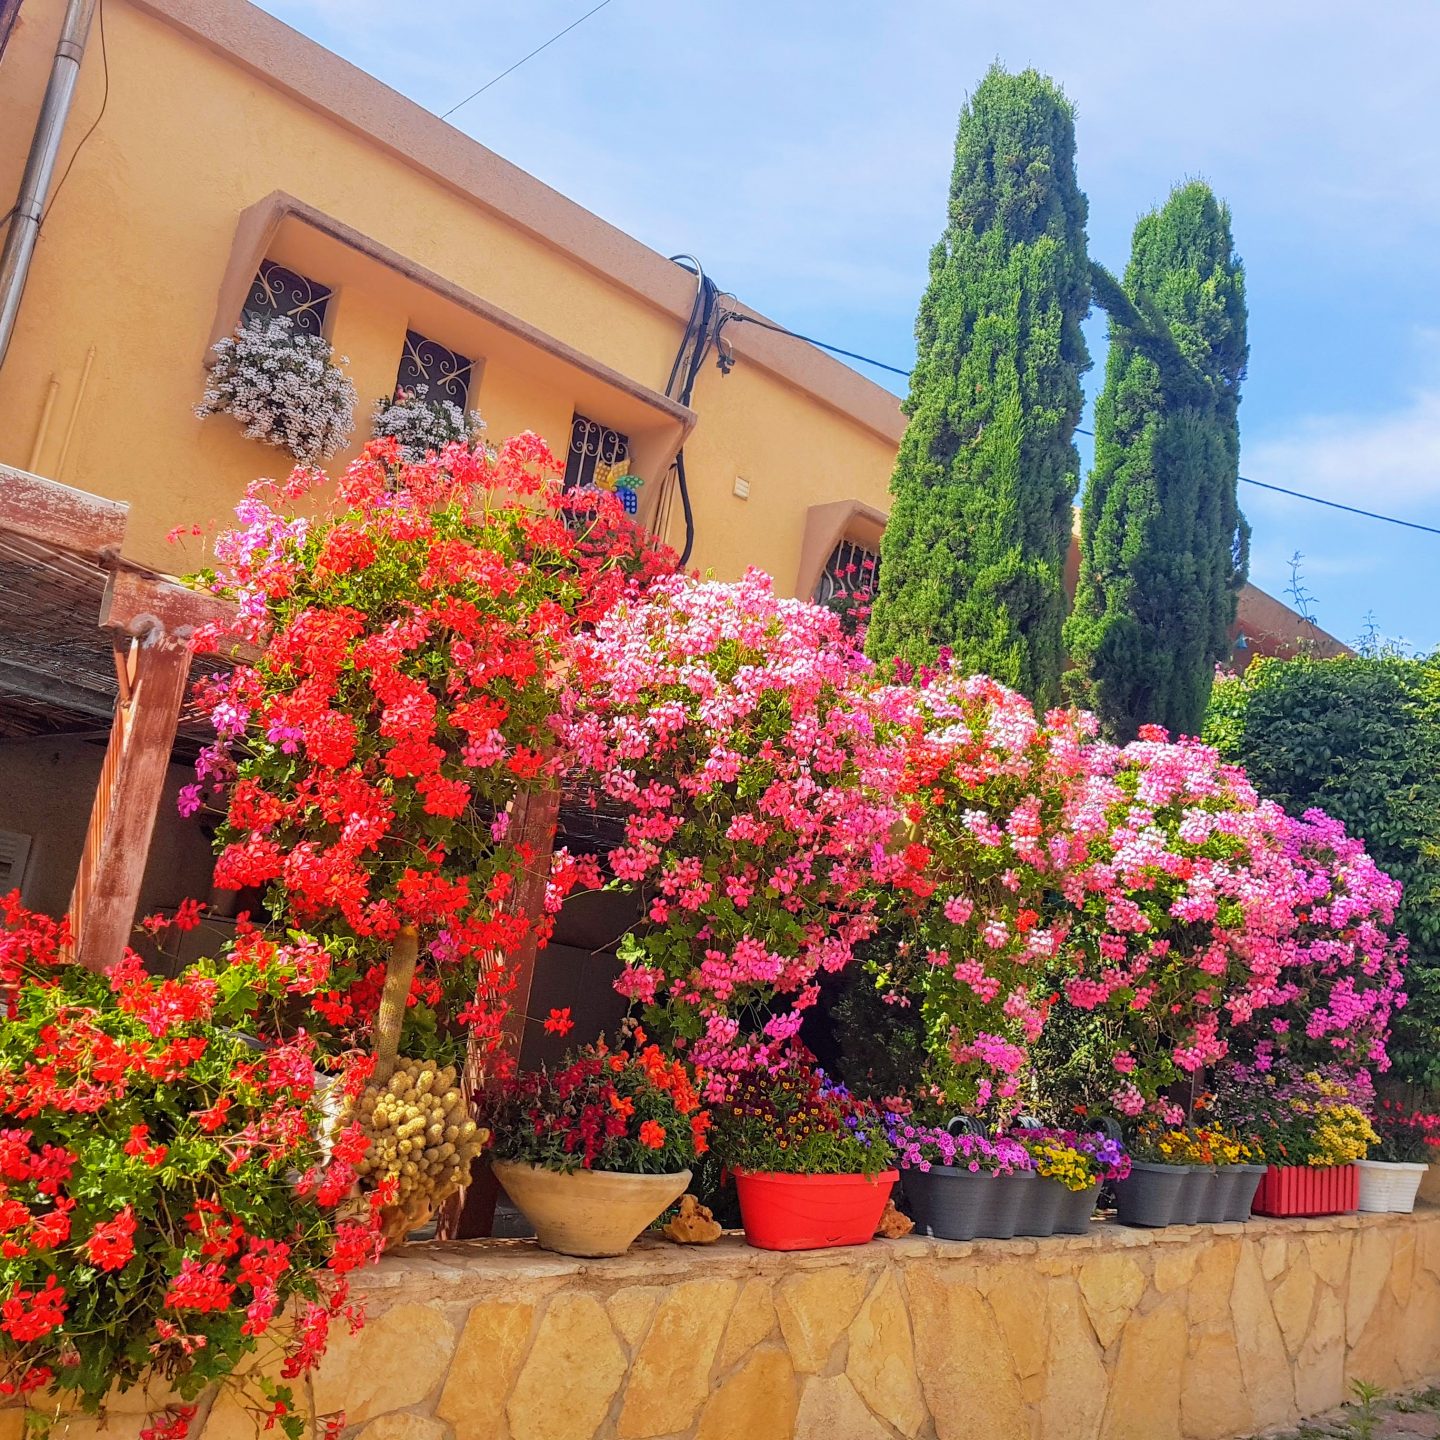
(1192, 1333)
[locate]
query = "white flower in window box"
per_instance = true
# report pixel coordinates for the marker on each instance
(423, 426)
(284, 386)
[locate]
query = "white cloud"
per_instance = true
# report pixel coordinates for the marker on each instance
(1388, 461)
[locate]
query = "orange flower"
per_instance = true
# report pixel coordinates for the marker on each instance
(652, 1134)
(623, 1105)
(699, 1124)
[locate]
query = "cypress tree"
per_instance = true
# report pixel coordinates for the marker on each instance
(973, 556)
(1163, 546)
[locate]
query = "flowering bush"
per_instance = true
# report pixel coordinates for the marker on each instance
(1406, 1136)
(637, 1112)
(919, 1147)
(974, 915)
(1291, 1117)
(411, 642)
(1340, 982)
(794, 1121)
(1076, 1160)
(420, 426)
(1141, 901)
(725, 720)
(1194, 1145)
(284, 386)
(164, 1195)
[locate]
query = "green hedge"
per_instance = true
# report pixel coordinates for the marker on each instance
(1359, 737)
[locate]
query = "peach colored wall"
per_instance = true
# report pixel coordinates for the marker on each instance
(134, 252)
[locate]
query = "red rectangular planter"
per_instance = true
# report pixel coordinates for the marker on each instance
(1308, 1190)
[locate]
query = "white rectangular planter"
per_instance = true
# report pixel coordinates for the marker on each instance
(1389, 1186)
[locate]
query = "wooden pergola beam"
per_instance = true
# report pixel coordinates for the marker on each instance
(139, 604)
(48, 513)
(127, 799)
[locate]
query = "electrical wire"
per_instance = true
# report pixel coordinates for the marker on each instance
(697, 339)
(731, 315)
(558, 35)
(1318, 500)
(94, 124)
(1090, 434)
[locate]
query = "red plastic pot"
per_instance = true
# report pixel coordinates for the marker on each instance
(811, 1212)
(1308, 1190)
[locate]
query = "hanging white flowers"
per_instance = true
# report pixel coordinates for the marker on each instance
(283, 386)
(423, 426)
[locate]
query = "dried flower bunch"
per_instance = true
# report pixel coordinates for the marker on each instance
(283, 386)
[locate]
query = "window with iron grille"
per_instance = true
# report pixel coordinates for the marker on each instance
(277, 291)
(444, 373)
(592, 445)
(852, 570)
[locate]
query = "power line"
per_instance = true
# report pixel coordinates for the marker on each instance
(819, 344)
(558, 35)
(1318, 500)
(1090, 434)
(1336, 505)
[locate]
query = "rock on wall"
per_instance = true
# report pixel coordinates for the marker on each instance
(1194, 1333)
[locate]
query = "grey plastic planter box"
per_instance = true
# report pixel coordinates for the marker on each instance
(1076, 1208)
(949, 1203)
(1150, 1194)
(1200, 1197)
(1246, 1182)
(1040, 1207)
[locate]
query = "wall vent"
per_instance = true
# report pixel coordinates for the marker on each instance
(14, 851)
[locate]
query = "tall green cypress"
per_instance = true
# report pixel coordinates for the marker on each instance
(973, 556)
(1163, 546)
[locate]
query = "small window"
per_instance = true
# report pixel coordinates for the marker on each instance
(852, 571)
(278, 291)
(593, 449)
(444, 373)
(14, 852)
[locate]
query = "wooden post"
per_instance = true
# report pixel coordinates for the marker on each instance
(152, 674)
(534, 816)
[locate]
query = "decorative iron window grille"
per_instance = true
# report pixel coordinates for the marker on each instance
(445, 373)
(592, 445)
(851, 570)
(277, 291)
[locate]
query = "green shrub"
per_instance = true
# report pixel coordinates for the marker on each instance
(1359, 737)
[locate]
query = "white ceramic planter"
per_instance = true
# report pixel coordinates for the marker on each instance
(1389, 1186)
(588, 1212)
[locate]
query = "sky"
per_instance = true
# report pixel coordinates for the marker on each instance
(802, 148)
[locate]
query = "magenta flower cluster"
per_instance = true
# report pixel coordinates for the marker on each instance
(783, 807)
(919, 1147)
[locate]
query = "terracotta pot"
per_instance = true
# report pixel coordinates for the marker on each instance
(588, 1212)
(1308, 1190)
(811, 1212)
